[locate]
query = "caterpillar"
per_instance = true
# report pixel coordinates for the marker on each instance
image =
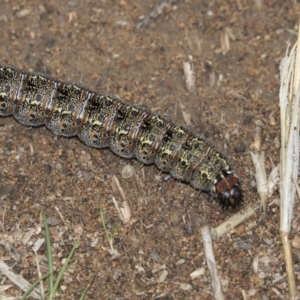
(130, 131)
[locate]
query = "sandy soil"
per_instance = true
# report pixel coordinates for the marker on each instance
(235, 47)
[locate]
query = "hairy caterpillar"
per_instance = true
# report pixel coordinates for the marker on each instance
(130, 131)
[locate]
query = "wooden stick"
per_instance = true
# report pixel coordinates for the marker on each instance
(232, 222)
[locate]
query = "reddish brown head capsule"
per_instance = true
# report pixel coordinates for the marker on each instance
(228, 190)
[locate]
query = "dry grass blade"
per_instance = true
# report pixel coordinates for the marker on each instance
(289, 116)
(17, 279)
(189, 74)
(158, 9)
(211, 263)
(109, 236)
(3, 289)
(258, 159)
(123, 208)
(27, 293)
(265, 187)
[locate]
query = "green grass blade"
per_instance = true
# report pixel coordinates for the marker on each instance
(107, 234)
(62, 270)
(33, 286)
(84, 292)
(49, 253)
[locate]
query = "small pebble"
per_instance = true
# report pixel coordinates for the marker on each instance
(198, 272)
(7, 152)
(84, 157)
(127, 171)
(162, 277)
(240, 148)
(240, 230)
(23, 13)
(47, 168)
(243, 245)
(296, 242)
(185, 287)
(78, 229)
(180, 262)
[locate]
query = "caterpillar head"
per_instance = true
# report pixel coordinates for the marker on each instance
(228, 191)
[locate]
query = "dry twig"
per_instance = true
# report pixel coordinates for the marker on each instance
(232, 222)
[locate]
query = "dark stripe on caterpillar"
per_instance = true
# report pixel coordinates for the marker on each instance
(130, 131)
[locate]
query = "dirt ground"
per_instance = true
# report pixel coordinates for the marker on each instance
(235, 48)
